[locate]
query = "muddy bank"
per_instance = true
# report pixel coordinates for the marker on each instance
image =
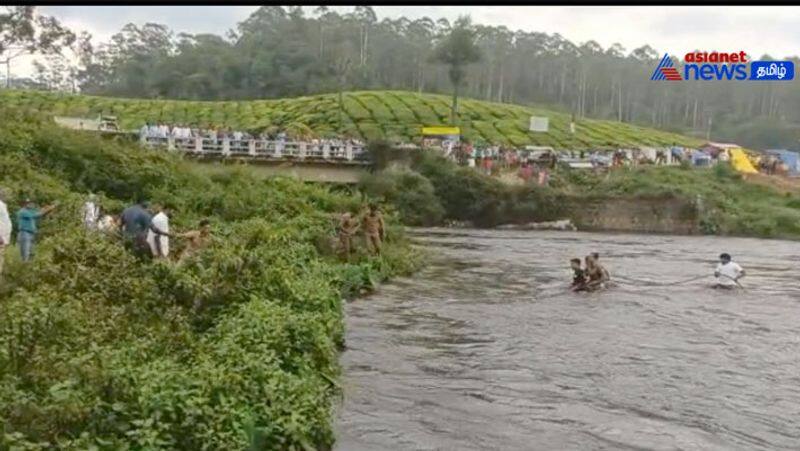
(663, 215)
(642, 215)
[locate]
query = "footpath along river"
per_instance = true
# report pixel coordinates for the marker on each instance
(486, 349)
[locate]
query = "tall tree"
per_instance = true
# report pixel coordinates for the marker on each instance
(23, 32)
(458, 50)
(279, 52)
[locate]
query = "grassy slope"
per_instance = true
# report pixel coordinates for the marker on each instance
(99, 351)
(368, 114)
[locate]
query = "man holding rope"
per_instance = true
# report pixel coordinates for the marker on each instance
(728, 273)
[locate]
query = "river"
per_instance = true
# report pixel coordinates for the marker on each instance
(486, 349)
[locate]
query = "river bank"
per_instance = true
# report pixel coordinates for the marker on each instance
(430, 190)
(236, 348)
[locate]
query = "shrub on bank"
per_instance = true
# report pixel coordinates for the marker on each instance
(235, 347)
(412, 194)
(727, 204)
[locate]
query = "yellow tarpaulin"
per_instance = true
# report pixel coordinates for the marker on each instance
(440, 131)
(741, 163)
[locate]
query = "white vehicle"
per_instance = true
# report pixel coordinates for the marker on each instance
(536, 152)
(108, 124)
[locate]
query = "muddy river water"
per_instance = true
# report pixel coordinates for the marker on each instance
(485, 349)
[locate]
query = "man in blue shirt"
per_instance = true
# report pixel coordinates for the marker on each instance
(136, 221)
(27, 224)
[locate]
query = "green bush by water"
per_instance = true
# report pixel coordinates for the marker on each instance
(730, 204)
(236, 348)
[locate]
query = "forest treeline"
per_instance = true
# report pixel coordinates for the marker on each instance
(288, 51)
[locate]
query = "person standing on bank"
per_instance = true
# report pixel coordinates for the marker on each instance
(5, 227)
(197, 239)
(348, 227)
(91, 213)
(27, 224)
(158, 234)
(135, 221)
(374, 229)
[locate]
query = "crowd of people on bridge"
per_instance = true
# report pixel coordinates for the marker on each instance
(164, 131)
(183, 131)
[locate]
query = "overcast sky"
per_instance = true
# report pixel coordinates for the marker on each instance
(756, 30)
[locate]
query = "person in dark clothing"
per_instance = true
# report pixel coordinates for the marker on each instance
(136, 221)
(579, 276)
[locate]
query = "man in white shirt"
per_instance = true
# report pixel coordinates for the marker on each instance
(158, 234)
(5, 227)
(728, 272)
(91, 213)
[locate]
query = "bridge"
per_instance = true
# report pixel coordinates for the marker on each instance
(310, 161)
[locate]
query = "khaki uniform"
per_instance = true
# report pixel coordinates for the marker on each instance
(196, 241)
(374, 231)
(347, 228)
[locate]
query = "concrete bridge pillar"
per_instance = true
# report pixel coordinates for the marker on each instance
(198, 145)
(170, 143)
(326, 151)
(349, 152)
(278, 149)
(251, 148)
(303, 150)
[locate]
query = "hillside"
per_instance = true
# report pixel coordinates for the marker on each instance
(233, 348)
(367, 114)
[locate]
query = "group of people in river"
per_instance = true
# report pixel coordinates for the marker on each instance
(591, 277)
(594, 276)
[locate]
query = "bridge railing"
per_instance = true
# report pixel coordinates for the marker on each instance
(261, 149)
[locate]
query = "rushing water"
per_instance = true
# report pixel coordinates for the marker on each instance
(487, 349)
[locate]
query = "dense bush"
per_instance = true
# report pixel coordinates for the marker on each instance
(411, 193)
(730, 204)
(235, 348)
(468, 195)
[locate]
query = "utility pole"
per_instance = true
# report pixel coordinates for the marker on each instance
(708, 132)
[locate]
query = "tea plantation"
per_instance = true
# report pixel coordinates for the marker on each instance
(366, 114)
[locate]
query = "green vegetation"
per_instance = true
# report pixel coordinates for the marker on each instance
(730, 204)
(459, 193)
(235, 349)
(369, 115)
